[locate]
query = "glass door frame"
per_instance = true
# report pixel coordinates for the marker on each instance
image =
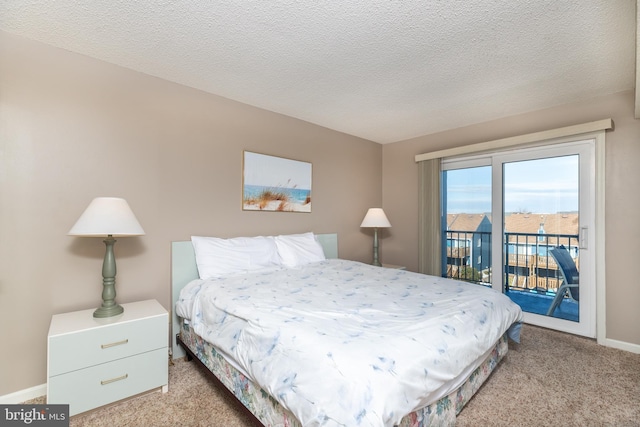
(585, 149)
(592, 268)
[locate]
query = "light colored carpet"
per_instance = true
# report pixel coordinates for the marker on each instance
(550, 379)
(557, 379)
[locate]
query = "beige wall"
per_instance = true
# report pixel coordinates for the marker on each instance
(73, 128)
(400, 189)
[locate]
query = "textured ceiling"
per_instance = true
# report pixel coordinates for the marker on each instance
(384, 70)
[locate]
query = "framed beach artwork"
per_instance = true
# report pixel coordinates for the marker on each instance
(271, 183)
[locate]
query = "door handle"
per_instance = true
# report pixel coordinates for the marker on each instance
(584, 238)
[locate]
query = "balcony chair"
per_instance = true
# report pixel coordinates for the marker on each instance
(570, 277)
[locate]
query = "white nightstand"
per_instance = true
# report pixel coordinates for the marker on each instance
(96, 361)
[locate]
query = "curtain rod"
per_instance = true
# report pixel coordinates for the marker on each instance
(598, 125)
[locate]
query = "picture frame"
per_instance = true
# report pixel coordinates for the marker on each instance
(275, 184)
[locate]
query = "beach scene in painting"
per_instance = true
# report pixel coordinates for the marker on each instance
(275, 184)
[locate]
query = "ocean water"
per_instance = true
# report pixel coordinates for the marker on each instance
(296, 195)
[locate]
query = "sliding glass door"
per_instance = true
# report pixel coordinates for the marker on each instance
(520, 222)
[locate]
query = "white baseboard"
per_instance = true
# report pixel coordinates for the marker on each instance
(622, 345)
(24, 395)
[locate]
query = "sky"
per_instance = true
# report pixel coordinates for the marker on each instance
(271, 171)
(537, 186)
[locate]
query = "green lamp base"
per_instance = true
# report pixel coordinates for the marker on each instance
(103, 311)
(109, 306)
(376, 259)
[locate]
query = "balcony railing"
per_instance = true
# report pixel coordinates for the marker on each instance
(528, 265)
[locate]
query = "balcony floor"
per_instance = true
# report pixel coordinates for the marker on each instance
(534, 302)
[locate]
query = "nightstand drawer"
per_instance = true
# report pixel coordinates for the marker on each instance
(109, 382)
(71, 352)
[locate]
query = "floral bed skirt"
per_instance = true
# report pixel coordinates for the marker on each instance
(270, 413)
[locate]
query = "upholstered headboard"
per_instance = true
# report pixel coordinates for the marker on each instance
(184, 270)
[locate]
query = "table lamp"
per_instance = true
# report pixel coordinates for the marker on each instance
(375, 218)
(107, 217)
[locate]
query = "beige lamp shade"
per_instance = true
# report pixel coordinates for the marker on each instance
(375, 218)
(107, 216)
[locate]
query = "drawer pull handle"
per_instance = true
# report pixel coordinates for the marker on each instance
(113, 344)
(113, 380)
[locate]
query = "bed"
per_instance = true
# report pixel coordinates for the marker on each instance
(326, 341)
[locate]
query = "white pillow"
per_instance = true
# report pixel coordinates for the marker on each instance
(299, 249)
(217, 257)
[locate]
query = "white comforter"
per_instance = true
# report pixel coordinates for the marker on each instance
(344, 343)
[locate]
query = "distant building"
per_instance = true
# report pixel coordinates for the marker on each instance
(469, 240)
(529, 238)
(551, 225)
